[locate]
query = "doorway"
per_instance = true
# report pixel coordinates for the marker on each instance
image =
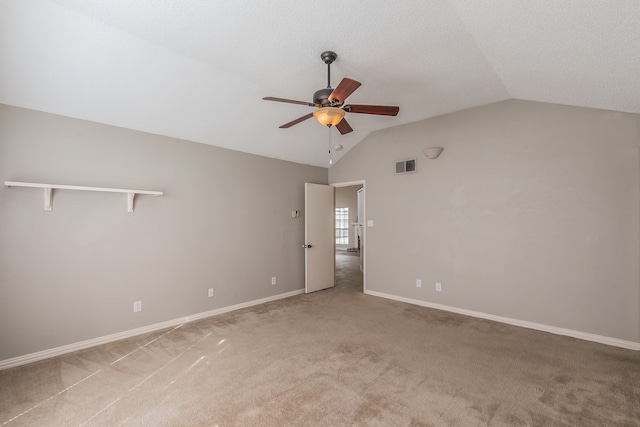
(350, 251)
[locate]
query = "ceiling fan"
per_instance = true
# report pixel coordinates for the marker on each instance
(329, 102)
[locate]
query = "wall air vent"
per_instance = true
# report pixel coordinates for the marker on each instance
(406, 166)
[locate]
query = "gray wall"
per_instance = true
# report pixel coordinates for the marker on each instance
(347, 197)
(72, 274)
(531, 213)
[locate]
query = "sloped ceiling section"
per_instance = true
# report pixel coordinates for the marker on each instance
(197, 69)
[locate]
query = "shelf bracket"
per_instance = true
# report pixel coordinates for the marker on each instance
(47, 199)
(130, 197)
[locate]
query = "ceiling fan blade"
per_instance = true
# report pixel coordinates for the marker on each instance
(344, 127)
(296, 121)
(381, 110)
(344, 89)
(289, 101)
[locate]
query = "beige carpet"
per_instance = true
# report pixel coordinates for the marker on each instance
(332, 358)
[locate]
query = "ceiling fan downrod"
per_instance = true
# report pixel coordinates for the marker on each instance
(328, 57)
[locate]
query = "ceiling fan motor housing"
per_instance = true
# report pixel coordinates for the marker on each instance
(321, 97)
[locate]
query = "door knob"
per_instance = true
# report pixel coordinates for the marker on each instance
(307, 246)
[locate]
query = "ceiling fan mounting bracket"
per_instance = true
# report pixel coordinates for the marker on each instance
(328, 57)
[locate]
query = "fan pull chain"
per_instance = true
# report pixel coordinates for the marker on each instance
(330, 156)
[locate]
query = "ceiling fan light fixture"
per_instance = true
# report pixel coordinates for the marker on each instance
(329, 116)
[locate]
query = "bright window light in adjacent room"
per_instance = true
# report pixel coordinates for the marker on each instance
(342, 226)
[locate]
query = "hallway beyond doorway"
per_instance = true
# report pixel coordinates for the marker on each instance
(348, 274)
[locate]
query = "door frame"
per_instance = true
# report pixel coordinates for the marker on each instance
(364, 225)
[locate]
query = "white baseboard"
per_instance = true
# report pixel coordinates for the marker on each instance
(45, 354)
(522, 323)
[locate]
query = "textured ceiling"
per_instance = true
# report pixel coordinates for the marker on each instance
(197, 69)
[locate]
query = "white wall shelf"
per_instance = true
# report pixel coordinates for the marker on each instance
(48, 189)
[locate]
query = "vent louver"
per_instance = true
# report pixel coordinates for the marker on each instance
(405, 166)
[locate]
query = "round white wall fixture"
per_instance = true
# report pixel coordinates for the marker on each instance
(433, 152)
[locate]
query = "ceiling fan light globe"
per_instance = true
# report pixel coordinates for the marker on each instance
(329, 116)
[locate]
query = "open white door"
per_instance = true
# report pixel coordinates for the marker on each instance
(319, 235)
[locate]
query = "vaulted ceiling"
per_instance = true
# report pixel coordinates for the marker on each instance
(198, 69)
